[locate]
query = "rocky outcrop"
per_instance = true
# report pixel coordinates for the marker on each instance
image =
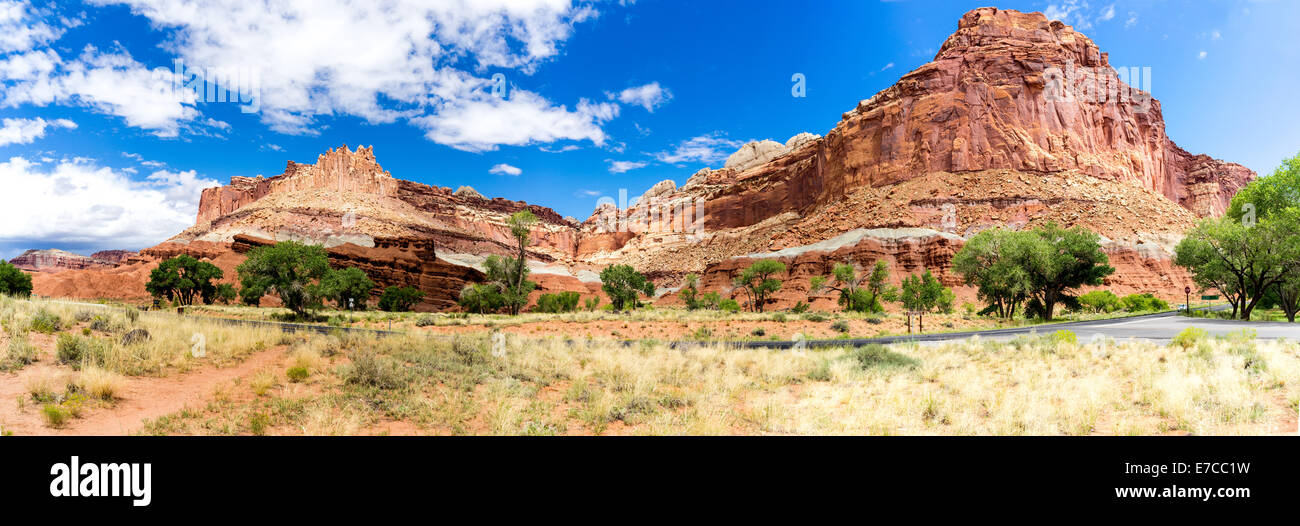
(113, 257)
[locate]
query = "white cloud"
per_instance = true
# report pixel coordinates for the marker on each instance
(1132, 19)
(22, 29)
(618, 167)
(1068, 12)
(24, 131)
(1201, 55)
(887, 66)
(113, 83)
(485, 122)
(1215, 35)
(79, 202)
(705, 149)
(505, 169)
(1108, 14)
(649, 96)
(420, 61)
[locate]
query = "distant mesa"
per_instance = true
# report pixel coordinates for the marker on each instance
(54, 260)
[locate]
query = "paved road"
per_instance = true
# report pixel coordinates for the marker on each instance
(1155, 327)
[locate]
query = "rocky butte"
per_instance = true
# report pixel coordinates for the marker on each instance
(1012, 124)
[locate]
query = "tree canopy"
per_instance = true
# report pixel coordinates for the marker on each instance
(858, 292)
(759, 283)
(349, 288)
(622, 284)
(13, 281)
(183, 279)
(289, 269)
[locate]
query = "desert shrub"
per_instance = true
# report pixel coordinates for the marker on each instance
(55, 415)
(19, 354)
(1190, 337)
(70, 349)
(876, 356)
(1100, 301)
(135, 336)
(83, 316)
(426, 321)
(799, 308)
(970, 308)
(399, 299)
(814, 317)
(874, 320)
(1064, 336)
(729, 305)
(821, 373)
(702, 334)
(840, 326)
(46, 322)
(262, 382)
(592, 303)
(297, 373)
(373, 370)
(132, 314)
(258, 423)
(779, 317)
(760, 332)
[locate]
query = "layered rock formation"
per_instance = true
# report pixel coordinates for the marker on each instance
(1018, 120)
(54, 260)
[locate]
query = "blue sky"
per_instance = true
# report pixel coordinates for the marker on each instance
(600, 95)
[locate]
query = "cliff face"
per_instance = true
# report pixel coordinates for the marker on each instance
(1017, 121)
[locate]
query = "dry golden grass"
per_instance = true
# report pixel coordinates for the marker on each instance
(100, 383)
(1030, 386)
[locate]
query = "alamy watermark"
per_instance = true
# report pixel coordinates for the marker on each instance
(192, 84)
(651, 215)
(1123, 85)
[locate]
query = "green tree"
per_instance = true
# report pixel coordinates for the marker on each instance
(399, 299)
(858, 293)
(289, 269)
(1100, 300)
(13, 281)
(226, 293)
(509, 278)
(690, 291)
(622, 284)
(480, 298)
(521, 226)
(1242, 259)
(183, 279)
(923, 293)
(1143, 302)
(990, 261)
(758, 282)
(349, 288)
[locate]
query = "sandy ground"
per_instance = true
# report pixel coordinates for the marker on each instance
(143, 397)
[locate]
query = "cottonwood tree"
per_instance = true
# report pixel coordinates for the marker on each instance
(622, 284)
(349, 288)
(922, 294)
(690, 290)
(990, 261)
(288, 269)
(13, 281)
(184, 279)
(758, 281)
(858, 292)
(1240, 259)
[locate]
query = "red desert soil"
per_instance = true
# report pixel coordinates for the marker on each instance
(143, 397)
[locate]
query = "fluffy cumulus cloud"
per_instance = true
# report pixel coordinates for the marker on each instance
(422, 62)
(24, 131)
(709, 148)
(22, 29)
(649, 96)
(618, 167)
(505, 169)
(78, 202)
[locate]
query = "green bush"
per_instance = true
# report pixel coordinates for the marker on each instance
(1100, 301)
(14, 282)
(1064, 336)
(876, 356)
(55, 415)
(840, 326)
(19, 354)
(822, 373)
(799, 308)
(814, 317)
(729, 305)
(258, 423)
(399, 299)
(1190, 337)
(1143, 303)
(70, 349)
(559, 302)
(46, 323)
(297, 374)
(370, 369)
(426, 321)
